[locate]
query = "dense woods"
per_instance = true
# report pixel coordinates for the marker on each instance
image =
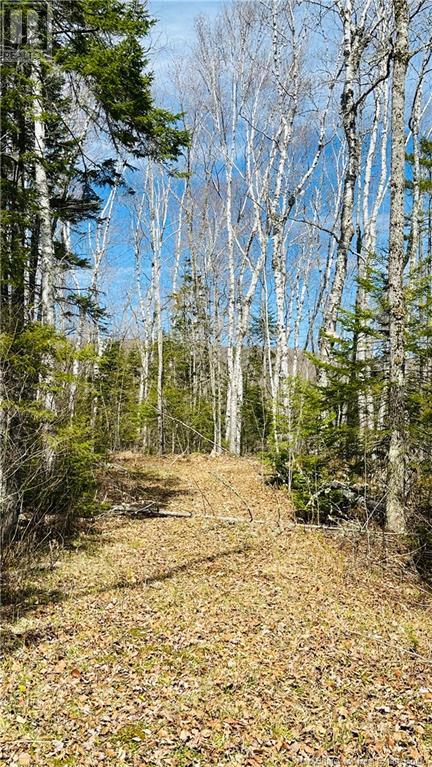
(216, 383)
(274, 222)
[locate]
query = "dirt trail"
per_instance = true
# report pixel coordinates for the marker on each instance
(194, 643)
(198, 485)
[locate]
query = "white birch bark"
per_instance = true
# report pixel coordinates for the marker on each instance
(46, 244)
(368, 242)
(351, 58)
(46, 256)
(415, 120)
(145, 324)
(287, 189)
(98, 249)
(395, 503)
(158, 191)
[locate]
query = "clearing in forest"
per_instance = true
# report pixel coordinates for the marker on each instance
(175, 642)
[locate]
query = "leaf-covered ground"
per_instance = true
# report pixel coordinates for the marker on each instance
(176, 642)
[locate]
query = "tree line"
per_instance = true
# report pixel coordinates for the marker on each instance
(276, 233)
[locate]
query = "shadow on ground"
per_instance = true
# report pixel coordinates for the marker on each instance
(32, 598)
(179, 569)
(130, 485)
(11, 641)
(32, 555)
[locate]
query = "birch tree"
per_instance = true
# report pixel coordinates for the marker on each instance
(49, 186)
(395, 504)
(359, 22)
(235, 38)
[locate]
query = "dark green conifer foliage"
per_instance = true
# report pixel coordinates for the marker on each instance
(333, 461)
(90, 63)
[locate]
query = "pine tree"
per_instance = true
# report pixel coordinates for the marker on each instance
(78, 69)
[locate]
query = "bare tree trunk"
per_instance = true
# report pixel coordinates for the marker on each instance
(158, 196)
(231, 405)
(367, 408)
(46, 257)
(395, 506)
(9, 509)
(352, 53)
(99, 250)
(160, 368)
(46, 245)
(146, 322)
(216, 375)
(414, 245)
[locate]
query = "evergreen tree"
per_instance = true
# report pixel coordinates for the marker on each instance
(77, 70)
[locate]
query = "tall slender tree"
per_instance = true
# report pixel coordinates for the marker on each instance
(395, 506)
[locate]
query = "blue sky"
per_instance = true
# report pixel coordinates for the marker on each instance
(174, 33)
(171, 39)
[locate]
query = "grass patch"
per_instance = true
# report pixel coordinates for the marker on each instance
(185, 756)
(130, 736)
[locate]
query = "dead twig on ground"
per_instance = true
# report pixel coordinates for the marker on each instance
(233, 490)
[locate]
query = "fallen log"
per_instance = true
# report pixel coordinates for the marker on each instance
(153, 511)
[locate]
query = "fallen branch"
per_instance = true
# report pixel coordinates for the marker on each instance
(152, 510)
(233, 489)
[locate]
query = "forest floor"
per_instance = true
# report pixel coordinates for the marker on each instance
(196, 642)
